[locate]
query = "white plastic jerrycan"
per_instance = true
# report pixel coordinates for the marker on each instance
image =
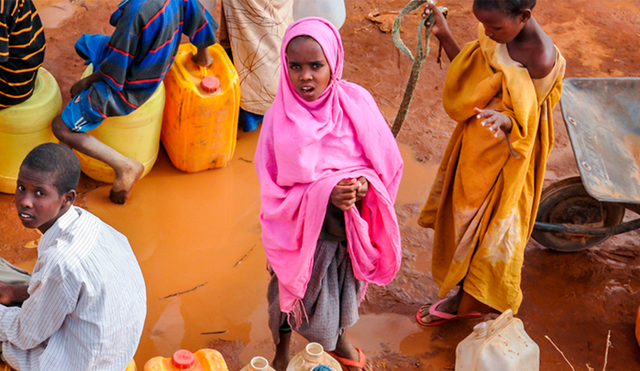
(331, 10)
(498, 345)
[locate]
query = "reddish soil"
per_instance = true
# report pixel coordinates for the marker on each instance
(575, 299)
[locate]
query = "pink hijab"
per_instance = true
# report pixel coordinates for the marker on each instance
(304, 150)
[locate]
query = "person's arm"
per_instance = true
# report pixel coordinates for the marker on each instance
(11, 294)
(51, 300)
(495, 122)
(199, 26)
(85, 83)
(441, 30)
(202, 57)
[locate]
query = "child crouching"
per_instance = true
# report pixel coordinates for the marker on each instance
(84, 306)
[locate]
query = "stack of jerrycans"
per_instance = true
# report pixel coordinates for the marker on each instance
(200, 119)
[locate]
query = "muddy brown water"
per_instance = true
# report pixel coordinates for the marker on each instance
(197, 235)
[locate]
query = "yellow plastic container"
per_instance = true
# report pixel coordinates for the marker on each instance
(200, 127)
(136, 136)
(131, 366)
(202, 360)
(27, 125)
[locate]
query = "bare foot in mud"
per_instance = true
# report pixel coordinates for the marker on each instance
(126, 177)
(450, 306)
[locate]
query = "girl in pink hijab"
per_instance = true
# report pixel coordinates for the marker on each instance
(329, 170)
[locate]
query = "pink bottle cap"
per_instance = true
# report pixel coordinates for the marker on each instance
(210, 84)
(183, 359)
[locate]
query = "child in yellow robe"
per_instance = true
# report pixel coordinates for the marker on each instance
(500, 89)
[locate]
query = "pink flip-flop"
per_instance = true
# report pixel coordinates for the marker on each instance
(446, 317)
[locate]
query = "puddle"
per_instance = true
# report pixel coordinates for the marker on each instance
(416, 180)
(54, 12)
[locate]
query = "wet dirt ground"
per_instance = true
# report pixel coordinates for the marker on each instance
(197, 236)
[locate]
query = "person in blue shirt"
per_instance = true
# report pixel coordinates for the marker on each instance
(129, 67)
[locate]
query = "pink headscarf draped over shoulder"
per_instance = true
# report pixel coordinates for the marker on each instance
(304, 150)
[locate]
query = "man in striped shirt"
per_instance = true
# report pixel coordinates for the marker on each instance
(22, 47)
(84, 306)
(129, 67)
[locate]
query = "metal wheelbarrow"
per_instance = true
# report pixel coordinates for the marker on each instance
(602, 116)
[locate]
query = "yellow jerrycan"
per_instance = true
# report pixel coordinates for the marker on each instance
(202, 360)
(27, 125)
(312, 356)
(200, 121)
(136, 135)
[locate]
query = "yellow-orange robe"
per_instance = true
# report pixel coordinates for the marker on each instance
(483, 203)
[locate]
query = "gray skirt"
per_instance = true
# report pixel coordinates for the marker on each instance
(331, 300)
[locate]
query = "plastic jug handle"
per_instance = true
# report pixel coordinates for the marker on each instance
(500, 322)
(203, 71)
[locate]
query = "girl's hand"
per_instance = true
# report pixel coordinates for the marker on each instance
(344, 194)
(364, 187)
(440, 26)
(494, 121)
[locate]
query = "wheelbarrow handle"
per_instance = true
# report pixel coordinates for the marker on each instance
(579, 230)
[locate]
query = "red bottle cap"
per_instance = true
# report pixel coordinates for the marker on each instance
(183, 359)
(210, 84)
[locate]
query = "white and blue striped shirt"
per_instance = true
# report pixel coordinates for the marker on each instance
(87, 302)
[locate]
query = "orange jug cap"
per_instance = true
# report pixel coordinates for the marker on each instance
(210, 84)
(183, 359)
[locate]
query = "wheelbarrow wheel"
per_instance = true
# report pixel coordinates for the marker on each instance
(567, 202)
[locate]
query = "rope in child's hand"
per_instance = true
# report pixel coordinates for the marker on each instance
(421, 56)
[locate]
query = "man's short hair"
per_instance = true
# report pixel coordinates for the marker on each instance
(59, 162)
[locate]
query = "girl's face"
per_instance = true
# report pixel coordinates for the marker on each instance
(309, 70)
(499, 26)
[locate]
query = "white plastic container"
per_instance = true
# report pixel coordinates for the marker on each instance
(258, 364)
(332, 10)
(498, 345)
(313, 355)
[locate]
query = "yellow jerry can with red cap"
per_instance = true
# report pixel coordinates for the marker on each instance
(202, 360)
(200, 121)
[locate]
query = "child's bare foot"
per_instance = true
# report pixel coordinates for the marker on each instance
(450, 306)
(126, 177)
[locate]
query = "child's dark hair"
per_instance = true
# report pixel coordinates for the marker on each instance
(510, 7)
(59, 162)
